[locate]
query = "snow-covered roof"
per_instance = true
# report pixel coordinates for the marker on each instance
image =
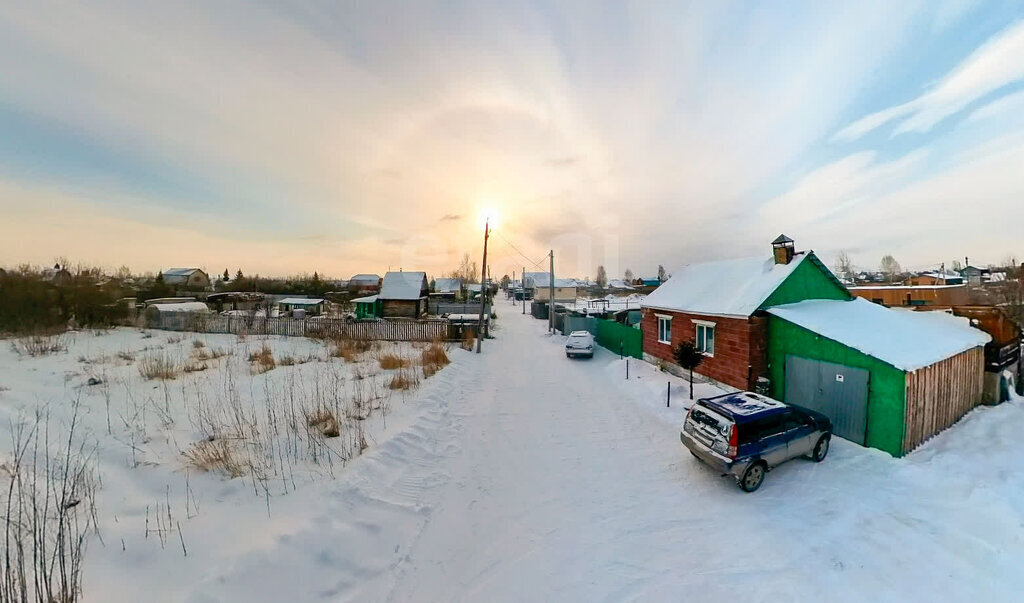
(619, 284)
(365, 279)
(942, 275)
(403, 285)
(726, 287)
(541, 280)
(447, 285)
(301, 301)
(369, 299)
(180, 271)
(907, 340)
(195, 306)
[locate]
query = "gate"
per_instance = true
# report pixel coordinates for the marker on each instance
(837, 391)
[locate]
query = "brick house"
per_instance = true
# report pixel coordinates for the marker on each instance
(720, 306)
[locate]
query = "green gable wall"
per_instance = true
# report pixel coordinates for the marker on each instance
(886, 384)
(810, 280)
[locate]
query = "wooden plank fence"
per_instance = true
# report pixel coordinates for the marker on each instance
(378, 330)
(940, 394)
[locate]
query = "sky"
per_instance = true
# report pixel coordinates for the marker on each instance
(342, 137)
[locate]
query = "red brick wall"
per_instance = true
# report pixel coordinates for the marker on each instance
(740, 345)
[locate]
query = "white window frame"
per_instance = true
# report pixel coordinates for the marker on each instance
(705, 324)
(668, 322)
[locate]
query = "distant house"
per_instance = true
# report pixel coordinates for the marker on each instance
(448, 287)
(913, 295)
(191, 279)
(619, 284)
(57, 275)
(174, 314)
(976, 276)
(404, 295)
(539, 284)
(307, 306)
(364, 284)
(937, 278)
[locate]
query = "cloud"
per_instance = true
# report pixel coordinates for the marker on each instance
(997, 63)
(451, 218)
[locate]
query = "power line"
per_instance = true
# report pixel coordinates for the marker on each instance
(525, 257)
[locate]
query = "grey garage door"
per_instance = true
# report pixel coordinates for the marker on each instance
(837, 391)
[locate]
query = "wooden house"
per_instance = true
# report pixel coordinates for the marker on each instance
(190, 279)
(404, 295)
(913, 295)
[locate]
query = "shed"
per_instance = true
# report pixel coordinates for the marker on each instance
(888, 379)
(404, 294)
(312, 306)
(157, 314)
(367, 307)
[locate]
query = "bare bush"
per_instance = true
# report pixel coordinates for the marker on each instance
(263, 360)
(198, 343)
(41, 343)
(126, 356)
(434, 358)
(404, 379)
(324, 422)
(194, 365)
(215, 454)
(49, 511)
(348, 349)
(391, 361)
(159, 366)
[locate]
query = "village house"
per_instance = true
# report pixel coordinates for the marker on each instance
(403, 295)
(913, 295)
(936, 278)
(301, 307)
(190, 279)
(364, 284)
(539, 284)
(888, 379)
(720, 307)
(448, 288)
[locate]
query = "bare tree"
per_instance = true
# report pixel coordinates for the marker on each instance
(662, 276)
(602, 277)
(629, 276)
(890, 268)
(844, 265)
(467, 270)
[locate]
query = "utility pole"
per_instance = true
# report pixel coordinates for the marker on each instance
(522, 281)
(551, 292)
(483, 277)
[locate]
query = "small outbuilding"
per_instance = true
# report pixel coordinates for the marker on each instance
(173, 315)
(367, 307)
(888, 379)
(306, 306)
(404, 295)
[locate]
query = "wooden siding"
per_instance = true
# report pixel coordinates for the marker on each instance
(939, 395)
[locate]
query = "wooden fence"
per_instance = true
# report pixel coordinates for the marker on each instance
(377, 330)
(940, 394)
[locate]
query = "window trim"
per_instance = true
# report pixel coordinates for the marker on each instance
(667, 318)
(707, 324)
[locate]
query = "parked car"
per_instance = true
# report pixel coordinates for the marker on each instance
(580, 343)
(746, 435)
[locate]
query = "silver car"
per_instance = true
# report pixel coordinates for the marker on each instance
(580, 343)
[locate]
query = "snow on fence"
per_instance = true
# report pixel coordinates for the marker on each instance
(378, 330)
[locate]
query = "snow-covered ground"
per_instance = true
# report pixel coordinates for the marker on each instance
(520, 474)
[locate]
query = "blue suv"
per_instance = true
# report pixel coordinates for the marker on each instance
(746, 434)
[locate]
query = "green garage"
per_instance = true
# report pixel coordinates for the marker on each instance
(888, 379)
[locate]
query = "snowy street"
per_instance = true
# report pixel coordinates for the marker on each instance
(529, 476)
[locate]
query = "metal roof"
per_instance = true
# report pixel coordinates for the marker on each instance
(301, 301)
(403, 285)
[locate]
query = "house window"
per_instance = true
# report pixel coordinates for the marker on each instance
(706, 337)
(665, 329)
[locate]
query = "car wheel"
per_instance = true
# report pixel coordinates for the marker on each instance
(753, 477)
(821, 449)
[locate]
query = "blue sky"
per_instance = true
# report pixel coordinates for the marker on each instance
(291, 137)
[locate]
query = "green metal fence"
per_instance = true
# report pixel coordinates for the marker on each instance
(620, 339)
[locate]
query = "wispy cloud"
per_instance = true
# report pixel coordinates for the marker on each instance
(451, 218)
(998, 62)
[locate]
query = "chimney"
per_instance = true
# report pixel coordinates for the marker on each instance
(782, 249)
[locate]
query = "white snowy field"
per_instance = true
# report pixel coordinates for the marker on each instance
(517, 474)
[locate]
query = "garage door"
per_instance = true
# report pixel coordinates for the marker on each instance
(837, 391)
